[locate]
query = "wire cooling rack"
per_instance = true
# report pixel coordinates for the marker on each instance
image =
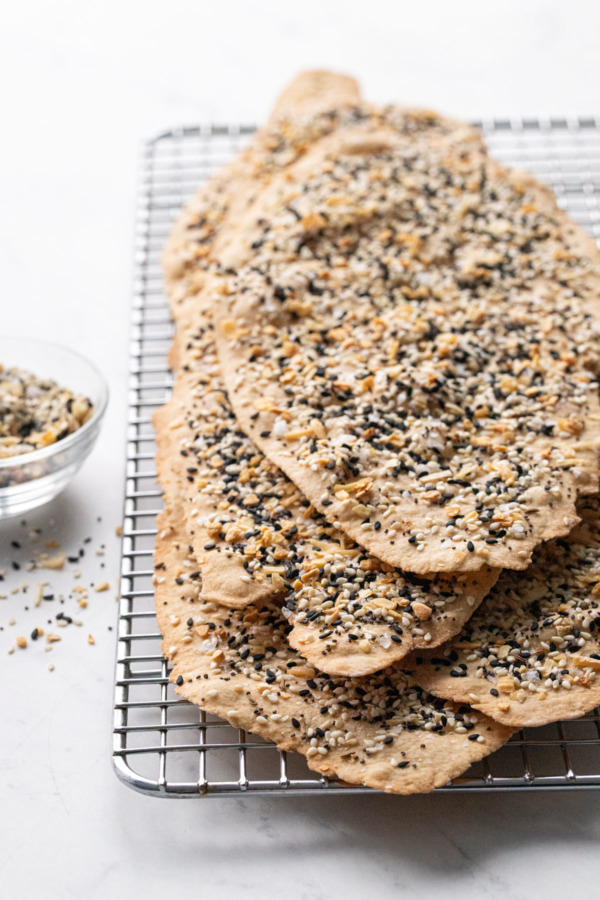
(165, 746)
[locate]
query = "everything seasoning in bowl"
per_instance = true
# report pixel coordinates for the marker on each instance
(36, 412)
(52, 401)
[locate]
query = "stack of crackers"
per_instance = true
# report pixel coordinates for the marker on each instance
(380, 545)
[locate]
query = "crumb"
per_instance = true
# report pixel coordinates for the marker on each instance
(51, 562)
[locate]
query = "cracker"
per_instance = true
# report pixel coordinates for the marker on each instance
(531, 653)
(185, 472)
(399, 616)
(403, 309)
(207, 224)
(381, 731)
(254, 535)
(214, 220)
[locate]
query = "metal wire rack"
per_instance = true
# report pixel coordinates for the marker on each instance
(165, 746)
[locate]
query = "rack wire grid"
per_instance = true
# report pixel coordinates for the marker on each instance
(165, 746)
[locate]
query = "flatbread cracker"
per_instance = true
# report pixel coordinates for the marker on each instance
(206, 225)
(212, 221)
(381, 731)
(410, 331)
(254, 536)
(531, 653)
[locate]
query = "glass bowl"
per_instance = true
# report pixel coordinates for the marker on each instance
(31, 479)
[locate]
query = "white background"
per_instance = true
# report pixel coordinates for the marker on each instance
(82, 85)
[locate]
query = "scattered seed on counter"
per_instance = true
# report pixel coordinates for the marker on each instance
(23, 554)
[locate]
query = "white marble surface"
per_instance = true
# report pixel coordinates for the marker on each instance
(83, 84)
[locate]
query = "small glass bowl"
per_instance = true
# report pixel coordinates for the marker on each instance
(31, 479)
